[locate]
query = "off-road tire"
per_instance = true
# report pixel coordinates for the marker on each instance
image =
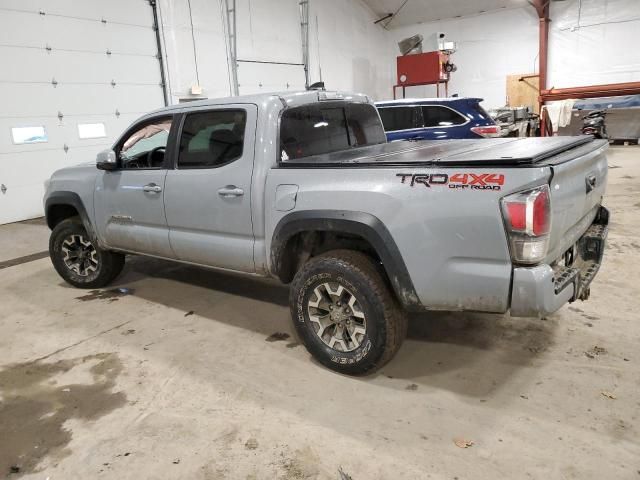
(109, 264)
(386, 321)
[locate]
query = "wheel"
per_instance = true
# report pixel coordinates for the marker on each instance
(78, 261)
(345, 313)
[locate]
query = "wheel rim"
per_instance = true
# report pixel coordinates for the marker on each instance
(80, 256)
(336, 317)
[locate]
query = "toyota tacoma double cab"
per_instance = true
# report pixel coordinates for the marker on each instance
(304, 188)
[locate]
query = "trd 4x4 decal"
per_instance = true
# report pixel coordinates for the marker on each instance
(458, 181)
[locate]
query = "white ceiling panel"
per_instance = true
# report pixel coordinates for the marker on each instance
(421, 11)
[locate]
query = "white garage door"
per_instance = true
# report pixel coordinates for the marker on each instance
(269, 53)
(74, 74)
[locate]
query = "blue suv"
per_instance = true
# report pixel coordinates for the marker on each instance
(436, 119)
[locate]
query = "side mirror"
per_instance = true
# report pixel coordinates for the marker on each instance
(107, 160)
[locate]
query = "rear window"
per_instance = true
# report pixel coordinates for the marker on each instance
(399, 118)
(328, 127)
(481, 112)
(435, 116)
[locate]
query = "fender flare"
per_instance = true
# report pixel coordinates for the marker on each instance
(361, 224)
(72, 199)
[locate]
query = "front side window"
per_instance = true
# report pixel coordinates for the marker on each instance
(212, 138)
(399, 118)
(323, 128)
(146, 146)
(435, 116)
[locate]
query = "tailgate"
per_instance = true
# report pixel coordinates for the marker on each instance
(577, 186)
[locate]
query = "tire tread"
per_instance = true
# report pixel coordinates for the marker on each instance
(364, 266)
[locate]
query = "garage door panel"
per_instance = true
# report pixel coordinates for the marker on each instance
(40, 163)
(126, 11)
(45, 100)
(261, 78)
(21, 203)
(41, 66)
(134, 69)
(63, 133)
(16, 28)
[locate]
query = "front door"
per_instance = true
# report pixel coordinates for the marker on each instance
(129, 204)
(208, 194)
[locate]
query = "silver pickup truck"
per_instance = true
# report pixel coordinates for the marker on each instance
(303, 187)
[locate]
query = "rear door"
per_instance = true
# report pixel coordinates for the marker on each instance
(208, 193)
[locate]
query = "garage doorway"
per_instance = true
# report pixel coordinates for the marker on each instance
(74, 75)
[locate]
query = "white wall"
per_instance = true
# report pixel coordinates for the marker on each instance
(592, 45)
(596, 46)
(490, 47)
(352, 52)
(178, 45)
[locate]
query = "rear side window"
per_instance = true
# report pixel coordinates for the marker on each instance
(323, 128)
(435, 116)
(212, 138)
(399, 118)
(482, 113)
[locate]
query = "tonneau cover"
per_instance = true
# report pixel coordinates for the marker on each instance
(480, 152)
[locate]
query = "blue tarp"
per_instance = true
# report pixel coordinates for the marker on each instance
(607, 102)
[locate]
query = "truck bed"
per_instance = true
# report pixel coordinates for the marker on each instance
(481, 152)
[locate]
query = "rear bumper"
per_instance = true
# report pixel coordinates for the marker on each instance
(541, 290)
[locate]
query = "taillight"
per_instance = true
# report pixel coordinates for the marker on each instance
(487, 131)
(527, 216)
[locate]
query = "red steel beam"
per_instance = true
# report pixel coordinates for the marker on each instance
(591, 91)
(542, 9)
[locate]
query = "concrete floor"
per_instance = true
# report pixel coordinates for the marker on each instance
(181, 377)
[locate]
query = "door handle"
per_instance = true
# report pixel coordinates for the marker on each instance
(152, 188)
(230, 191)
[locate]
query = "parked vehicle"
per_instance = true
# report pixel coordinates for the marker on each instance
(436, 119)
(303, 187)
(594, 124)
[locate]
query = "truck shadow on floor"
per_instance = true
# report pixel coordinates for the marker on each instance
(468, 353)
